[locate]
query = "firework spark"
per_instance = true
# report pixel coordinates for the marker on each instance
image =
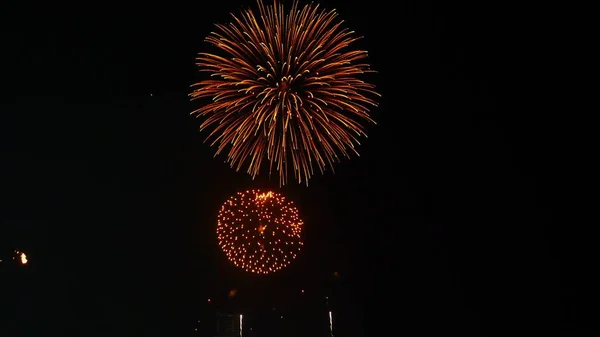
(285, 90)
(22, 256)
(259, 232)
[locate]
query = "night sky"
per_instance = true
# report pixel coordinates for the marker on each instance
(446, 223)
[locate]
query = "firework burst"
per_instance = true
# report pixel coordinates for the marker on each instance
(259, 232)
(285, 90)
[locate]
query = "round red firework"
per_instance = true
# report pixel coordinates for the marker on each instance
(259, 232)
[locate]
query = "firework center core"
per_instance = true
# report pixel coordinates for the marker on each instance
(261, 229)
(285, 85)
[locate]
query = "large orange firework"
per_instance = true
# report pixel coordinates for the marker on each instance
(259, 232)
(285, 90)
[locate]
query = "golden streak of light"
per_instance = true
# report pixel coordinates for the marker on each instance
(285, 91)
(23, 258)
(257, 234)
(330, 324)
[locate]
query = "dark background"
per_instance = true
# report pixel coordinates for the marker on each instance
(446, 224)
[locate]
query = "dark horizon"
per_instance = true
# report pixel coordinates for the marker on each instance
(446, 223)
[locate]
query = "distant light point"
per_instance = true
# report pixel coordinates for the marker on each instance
(23, 258)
